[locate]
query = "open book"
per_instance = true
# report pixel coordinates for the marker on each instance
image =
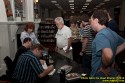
(45, 67)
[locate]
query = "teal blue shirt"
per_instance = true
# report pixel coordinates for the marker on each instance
(105, 38)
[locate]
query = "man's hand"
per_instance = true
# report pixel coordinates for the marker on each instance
(105, 71)
(51, 67)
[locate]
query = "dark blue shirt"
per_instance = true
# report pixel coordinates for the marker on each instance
(28, 68)
(113, 26)
(105, 38)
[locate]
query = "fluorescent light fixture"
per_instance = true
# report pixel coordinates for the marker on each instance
(71, 1)
(88, 0)
(84, 8)
(54, 1)
(71, 8)
(101, 3)
(97, 6)
(86, 4)
(106, 0)
(71, 4)
(57, 4)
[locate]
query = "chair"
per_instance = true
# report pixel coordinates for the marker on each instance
(9, 65)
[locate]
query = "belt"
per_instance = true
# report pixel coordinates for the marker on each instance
(60, 48)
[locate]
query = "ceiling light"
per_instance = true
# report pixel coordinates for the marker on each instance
(97, 6)
(71, 8)
(83, 8)
(88, 0)
(54, 1)
(86, 4)
(57, 4)
(71, 4)
(106, 0)
(71, 1)
(101, 3)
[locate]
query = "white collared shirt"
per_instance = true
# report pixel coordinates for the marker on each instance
(33, 37)
(62, 36)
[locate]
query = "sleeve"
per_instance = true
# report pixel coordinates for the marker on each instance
(85, 32)
(68, 33)
(37, 67)
(102, 42)
(35, 39)
(23, 36)
(120, 40)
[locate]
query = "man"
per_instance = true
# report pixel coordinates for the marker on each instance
(29, 67)
(106, 45)
(63, 38)
(27, 43)
(86, 50)
(112, 23)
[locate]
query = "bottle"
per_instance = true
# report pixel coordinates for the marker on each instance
(62, 76)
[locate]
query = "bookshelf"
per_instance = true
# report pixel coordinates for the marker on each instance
(46, 35)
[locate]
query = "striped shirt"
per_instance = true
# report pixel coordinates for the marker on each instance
(88, 33)
(27, 68)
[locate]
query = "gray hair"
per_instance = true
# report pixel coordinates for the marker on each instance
(59, 19)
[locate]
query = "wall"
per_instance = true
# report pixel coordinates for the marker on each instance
(4, 46)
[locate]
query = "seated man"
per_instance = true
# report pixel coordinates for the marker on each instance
(29, 67)
(27, 43)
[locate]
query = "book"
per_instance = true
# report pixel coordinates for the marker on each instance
(45, 67)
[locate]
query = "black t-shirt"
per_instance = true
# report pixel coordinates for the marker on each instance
(21, 50)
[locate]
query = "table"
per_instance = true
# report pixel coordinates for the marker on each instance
(59, 61)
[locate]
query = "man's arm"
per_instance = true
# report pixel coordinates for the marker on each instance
(69, 43)
(84, 44)
(107, 55)
(46, 71)
(120, 48)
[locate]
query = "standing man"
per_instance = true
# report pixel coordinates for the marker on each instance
(63, 38)
(29, 68)
(112, 24)
(86, 50)
(106, 45)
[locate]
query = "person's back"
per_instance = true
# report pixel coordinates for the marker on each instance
(21, 50)
(29, 66)
(24, 68)
(27, 43)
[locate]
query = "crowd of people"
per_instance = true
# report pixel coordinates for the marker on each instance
(92, 42)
